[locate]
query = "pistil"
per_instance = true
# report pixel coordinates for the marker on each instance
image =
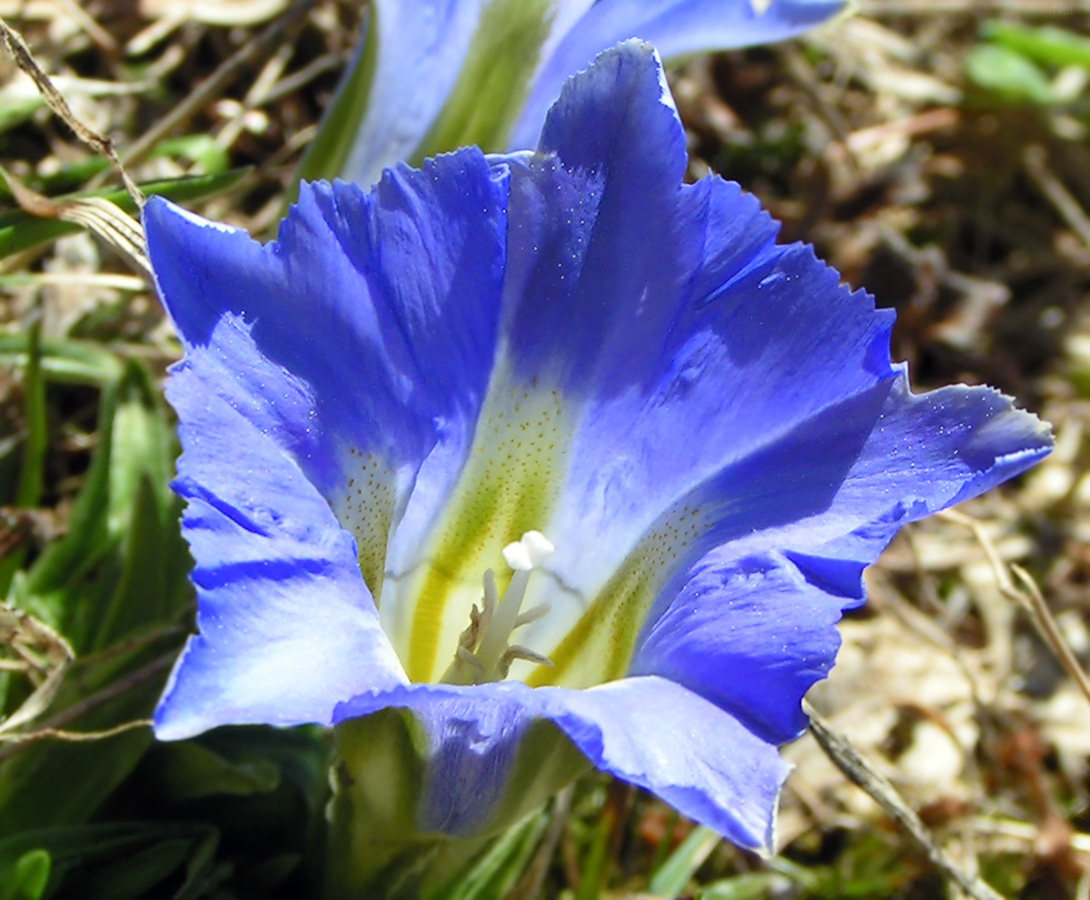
(485, 651)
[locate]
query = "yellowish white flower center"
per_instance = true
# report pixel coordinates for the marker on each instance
(485, 651)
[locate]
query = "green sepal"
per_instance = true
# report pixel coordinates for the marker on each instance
(380, 774)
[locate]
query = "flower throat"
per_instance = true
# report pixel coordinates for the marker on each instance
(485, 651)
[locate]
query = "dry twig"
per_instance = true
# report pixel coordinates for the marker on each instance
(212, 86)
(14, 44)
(74, 737)
(863, 775)
(1031, 599)
(20, 632)
(1036, 165)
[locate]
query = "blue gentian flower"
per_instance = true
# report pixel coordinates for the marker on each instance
(547, 437)
(433, 75)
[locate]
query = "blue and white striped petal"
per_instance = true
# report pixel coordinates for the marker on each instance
(433, 75)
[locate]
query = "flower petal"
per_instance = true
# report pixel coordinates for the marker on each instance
(432, 75)
(700, 419)
(675, 361)
(749, 626)
(675, 27)
(751, 635)
(343, 363)
(287, 626)
(646, 731)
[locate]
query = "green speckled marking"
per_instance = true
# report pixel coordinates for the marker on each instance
(606, 632)
(599, 648)
(507, 488)
(366, 509)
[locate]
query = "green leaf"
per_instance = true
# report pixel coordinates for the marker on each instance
(21, 231)
(202, 871)
(119, 572)
(124, 508)
(28, 878)
(1049, 45)
(326, 155)
(14, 113)
(200, 149)
(111, 861)
(63, 360)
(62, 783)
(132, 876)
(494, 874)
(1009, 74)
(30, 480)
(189, 770)
(674, 874)
(28, 492)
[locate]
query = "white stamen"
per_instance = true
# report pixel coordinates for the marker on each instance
(469, 658)
(533, 614)
(485, 651)
(517, 651)
(489, 601)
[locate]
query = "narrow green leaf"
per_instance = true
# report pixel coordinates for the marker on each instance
(1009, 74)
(201, 869)
(28, 492)
(189, 770)
(30, 480)
(200, 149)
(750, 886)
(28, 878)
(118, 571)
(14, 113)
(592, 880)
(133, 876)
(21, 231)
(142, 593)
(497, 870)
(1049, 45)
(95, 561)
(78, 555)
(63, 360)
(674, 874)
(79, 852)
